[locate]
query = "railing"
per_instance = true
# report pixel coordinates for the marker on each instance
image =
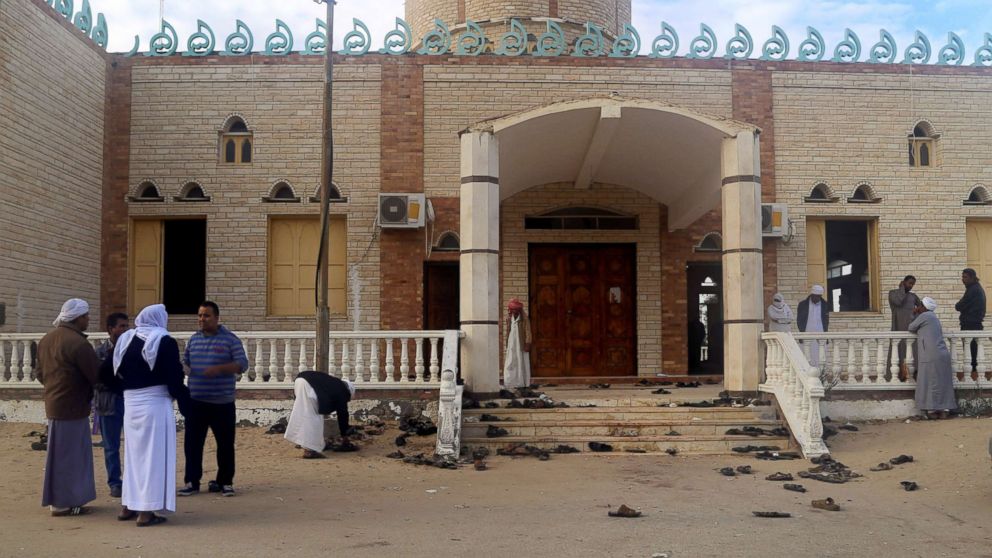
(797, 387)
(870, 360)
(381, 359)
(449, 410)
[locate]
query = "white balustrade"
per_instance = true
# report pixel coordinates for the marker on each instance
(275, 358)
(797, 389)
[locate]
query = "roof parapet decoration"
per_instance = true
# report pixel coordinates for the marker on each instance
(472, 41)
(83, 20)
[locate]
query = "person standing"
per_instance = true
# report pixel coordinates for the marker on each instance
(935, 374)
(516, 369)
(215, 357)
(903, 304)
(318, 393)
(110, 406)
(780, 315)
(145, 366)
(972, 308)
(814, 317)
(68, 368)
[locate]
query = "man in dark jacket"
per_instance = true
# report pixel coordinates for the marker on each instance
(813, 315)
(110, 407)
(318, 394)
(972, 308)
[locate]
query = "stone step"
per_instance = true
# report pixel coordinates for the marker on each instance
(738, 414)
(617, 428)
(685, 445)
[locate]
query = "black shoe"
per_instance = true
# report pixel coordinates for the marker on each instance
(189, 490)
(115, 491)
(212, 486)
(227, 491)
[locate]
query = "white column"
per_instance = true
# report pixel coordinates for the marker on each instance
(479, 261)
(742, 263)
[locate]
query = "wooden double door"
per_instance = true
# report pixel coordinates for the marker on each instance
(583, 304)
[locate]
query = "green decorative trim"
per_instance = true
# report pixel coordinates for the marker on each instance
(134, 49)
(703, 47)
(591, 44)
(551, 42)
(399, 40)
(983, 56)
(665, 45)
(472, 42)
(64, 7)
(884, 51)
(358, 40)
(848, 50)
(202, 42)
(952, 54)
(164, 42)
(777, 47)
(513, 43)
(437, 41)
(919, 51)
(740, 46)
(240, 42)
(316, 41)
(84, 19)
(813, 48)
(628, 44)
(279, 42)
(99, 34)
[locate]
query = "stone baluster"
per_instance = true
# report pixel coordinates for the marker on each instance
(345, 361)
(909, 360)
(15, 369)
(287, 361)
(982, 367)
(330, 359)
(404, 361)
(374, 362)
(435, 368)
(3, 362)
(880, 361)
(865, 361)
(26, 371)
(256, 373)
(273, 361)
(390, 363)
(894, 360)
(830, 358)
(849, 376)
(961, 357)
(303, 356)
(359, 361)
(419, 363)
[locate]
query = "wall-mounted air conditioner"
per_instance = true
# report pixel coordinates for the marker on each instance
(402, 211)
(774, 219)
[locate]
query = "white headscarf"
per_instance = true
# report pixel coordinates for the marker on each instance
(817, 290)
(150, 328)
(779, 310)
(351, 387)
(72, 309)
(929, 303)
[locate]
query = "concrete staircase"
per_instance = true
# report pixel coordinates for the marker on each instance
(636, 421)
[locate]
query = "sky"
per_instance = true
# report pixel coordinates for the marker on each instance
(970, 19)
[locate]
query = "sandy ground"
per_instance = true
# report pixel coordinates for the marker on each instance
(362, 504)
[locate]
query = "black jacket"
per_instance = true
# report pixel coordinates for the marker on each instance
(972, 305)
(332, 396)
(802, 314)
(134, 372)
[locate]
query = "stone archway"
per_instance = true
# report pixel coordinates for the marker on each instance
(687, 160)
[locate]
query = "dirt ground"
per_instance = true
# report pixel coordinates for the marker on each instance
(363, 504)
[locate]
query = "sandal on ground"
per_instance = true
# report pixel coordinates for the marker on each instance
(883, 466)
(75, 510)
(155, 520)
(310, 454)
(771, 514)
(624, 511)
(127, 515)
(825, 504)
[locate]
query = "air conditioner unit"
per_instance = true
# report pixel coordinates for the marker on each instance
(402, 211)
(774, 219)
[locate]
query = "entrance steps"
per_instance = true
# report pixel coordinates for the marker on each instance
(630, 420)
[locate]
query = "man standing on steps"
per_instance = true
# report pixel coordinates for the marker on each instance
(215, 357)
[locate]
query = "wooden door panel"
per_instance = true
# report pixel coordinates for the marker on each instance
(618, 300)
(546, 313)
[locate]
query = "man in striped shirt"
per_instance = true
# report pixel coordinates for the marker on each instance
(215, 357)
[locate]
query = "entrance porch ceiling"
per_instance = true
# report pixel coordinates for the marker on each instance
(669, 154)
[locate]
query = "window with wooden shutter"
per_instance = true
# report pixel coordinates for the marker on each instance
(980, 250)
(293, 246)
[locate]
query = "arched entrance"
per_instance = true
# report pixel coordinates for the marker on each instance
(686, 160)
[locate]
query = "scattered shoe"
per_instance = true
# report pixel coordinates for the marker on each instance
(189, 490)
(624, 511)
(155, 520)
(909, 486)
(794, 487)
(899, 460)
(395, 455)
(344, 447)
(671, 451)
(599, 386)
(401, 439)
(848, 426)
(779, 477)
(479, 465)
(227, 491)
(728, 472)
(115, 491)
(213, 487)
(600, 447)
(673, 433)
(825, 504)
(495, 432)
(771, 514)
(635, 450)
(883, 466)
(744, 469)
(661, 391)
(39, 446)
(491, 405)
(310, 454)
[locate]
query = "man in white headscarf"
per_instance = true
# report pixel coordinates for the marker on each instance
(780, 315)
(814, 317)
(318, 394)
(68, 368)
(934, 372)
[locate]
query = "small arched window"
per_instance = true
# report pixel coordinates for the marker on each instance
(448, 243)
(820, 193)
(282, 192)
(147, 192)
(979, 195)
(334, 197)
(712, 242)
(236, 142)
(864, 193)
(922, 145)
(192, 192)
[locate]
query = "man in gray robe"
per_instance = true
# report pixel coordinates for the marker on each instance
(903, 305)
(934, 374)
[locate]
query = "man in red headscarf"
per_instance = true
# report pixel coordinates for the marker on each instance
(516, 368)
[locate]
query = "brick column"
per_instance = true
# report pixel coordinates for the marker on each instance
(479, 262)
(742, 265)
(116, 181)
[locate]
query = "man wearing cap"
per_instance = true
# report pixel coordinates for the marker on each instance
(813, 316)
(318, 394)
(516, 368)
(68, 368)
(934, 373)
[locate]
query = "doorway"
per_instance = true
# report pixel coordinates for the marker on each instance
(583, 303)
(704, 306)
(441, 299)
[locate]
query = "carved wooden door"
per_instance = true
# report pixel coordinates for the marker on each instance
(583, 310)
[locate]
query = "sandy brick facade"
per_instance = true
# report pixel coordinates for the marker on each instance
(52, 86)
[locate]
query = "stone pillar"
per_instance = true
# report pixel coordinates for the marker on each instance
(742, 263)
(479, 261)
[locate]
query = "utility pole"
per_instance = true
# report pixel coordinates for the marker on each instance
(323, 342)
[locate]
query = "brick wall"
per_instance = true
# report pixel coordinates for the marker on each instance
(51, 164)
(117, 153)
